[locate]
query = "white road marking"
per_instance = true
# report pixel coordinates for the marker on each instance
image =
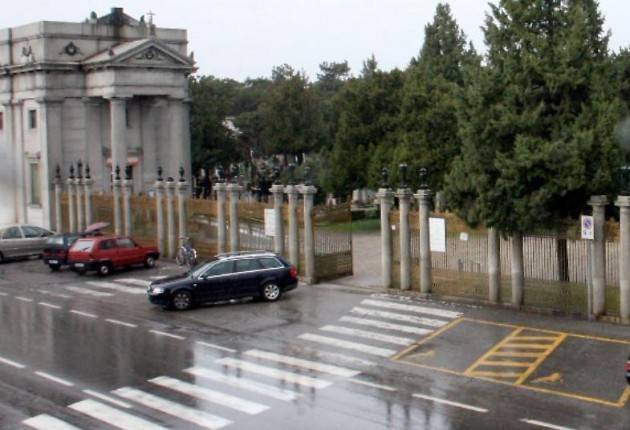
(544, 424)
(306, 364)
(113, 416)
(134, 281)
(211, 345)
(12, 363)
(271, 372)
(243, 383)
(412, 308)
(163, 333)
(50, 293)
(3, 294)
(125, 324)
(50, 305)
(399, 317)
(217, 397)
(200, 418)
(368, 349)
(108, 399)
(116, 287)
(23, 299)
(373, 385)
(386, 325)
(47, 422)
(450, 403)
(88, 292)
(404, 341)
(83, 314)
(348, 360)
(54, 379)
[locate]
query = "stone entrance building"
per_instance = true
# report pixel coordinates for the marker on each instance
(108, 91)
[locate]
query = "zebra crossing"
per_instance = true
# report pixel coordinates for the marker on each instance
(108, 288)
(228, 386)
(388, 322)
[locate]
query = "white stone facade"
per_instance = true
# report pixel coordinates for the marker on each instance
(109, 91)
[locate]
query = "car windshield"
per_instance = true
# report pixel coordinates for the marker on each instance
(202, 267)
(55, 240)
(83, 245)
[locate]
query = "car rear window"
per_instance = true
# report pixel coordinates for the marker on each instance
(269, 263)
(55, 240)
(246, 265)
(83, 245)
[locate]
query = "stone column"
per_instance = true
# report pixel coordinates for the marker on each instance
(127, 186)
(87, 193)
(294, 229)
(623, 202)
(118, 131)
(424, 196)
(170, 217)
(72, 223)
(179, 127)
(234, 191)
(58, 190)
(182, 190)
(116, 194)
(159, 211)
(277, 190)
(386, 200)
(8, 175)
(308, 192)
(20, 184)
(404, 196)
(78, 188)
(518, 274)
(494, 266)
(221, 188)
(51, 150)
(598, 254)
(100, 175)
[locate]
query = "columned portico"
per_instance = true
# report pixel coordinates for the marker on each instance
(118, 131)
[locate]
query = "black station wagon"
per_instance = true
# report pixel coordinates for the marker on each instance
(258, 274)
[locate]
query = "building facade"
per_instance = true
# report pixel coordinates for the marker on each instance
(110, 91)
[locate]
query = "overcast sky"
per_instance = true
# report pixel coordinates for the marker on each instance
(246, 38)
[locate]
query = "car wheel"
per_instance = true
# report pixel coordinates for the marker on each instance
(149, 261)
(271, 292)
(104, 269)
(54, 267)
(181, 300)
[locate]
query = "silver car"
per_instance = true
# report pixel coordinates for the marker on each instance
(22, 241)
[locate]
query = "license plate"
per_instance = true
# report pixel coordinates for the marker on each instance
(79, 265)
(53, 262)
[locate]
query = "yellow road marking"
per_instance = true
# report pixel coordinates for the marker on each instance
(549, 338)
(505, 363)
(540, 359)
(491, 351)
(554, 377)
(496, 374)
(429, 353)
(624, 397)
(525, 345)
(426, 339)
(515, 354)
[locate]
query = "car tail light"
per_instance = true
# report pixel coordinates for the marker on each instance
(293, 272)
(628, 366)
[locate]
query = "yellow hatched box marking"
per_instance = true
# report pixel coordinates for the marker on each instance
(538, 347)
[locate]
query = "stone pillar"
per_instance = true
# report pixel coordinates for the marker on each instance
(494, 266)
(8, 175)
(234, 191)
(78, 188)
(277, 190)
(424, 196)
(127, 186)
(93, 133)
(87, 194)
(221, 188)
(182, 190)
(116, 194)
(294, 229)
(118, 131)
(386, 200)
(72, 223)
(598, 254)
(20, 184)
(170, 218)
(179, 126)
(404, 196)
(308, 192)
(623, 202)
(159, 211)
(51, 150)
(58, 190)
(518, 274)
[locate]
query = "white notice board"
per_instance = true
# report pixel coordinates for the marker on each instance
(270, 222)
(437, 234)
(588, 231)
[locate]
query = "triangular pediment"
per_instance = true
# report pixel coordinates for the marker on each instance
(144, 52)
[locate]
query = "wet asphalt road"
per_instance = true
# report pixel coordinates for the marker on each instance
(95, 355)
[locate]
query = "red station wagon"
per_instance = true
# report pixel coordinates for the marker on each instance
(105, 253)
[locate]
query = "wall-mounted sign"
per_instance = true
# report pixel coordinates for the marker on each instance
(270, 222)
(437, 234)
(588, 230)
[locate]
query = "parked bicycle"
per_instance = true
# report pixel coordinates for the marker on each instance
(186, 254)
